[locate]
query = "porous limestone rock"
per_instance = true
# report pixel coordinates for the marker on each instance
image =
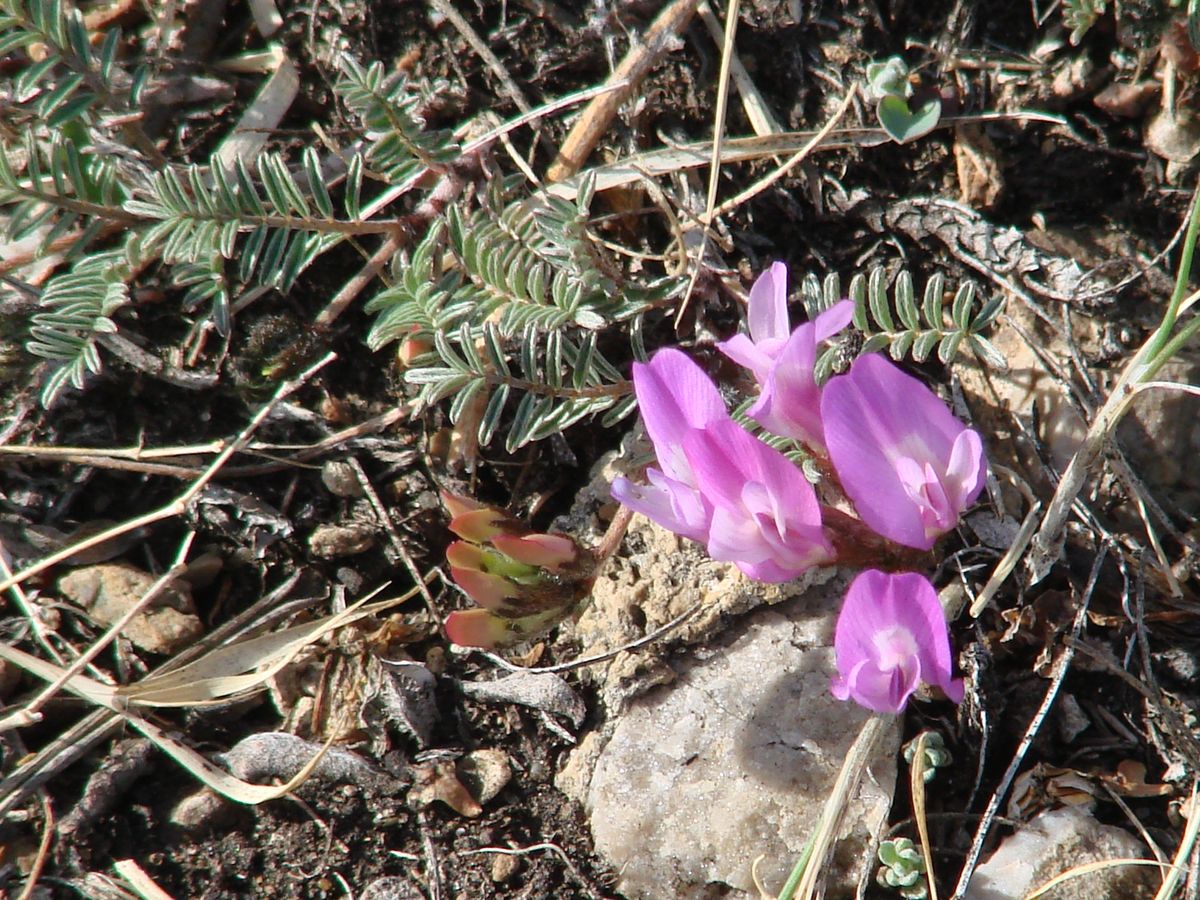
(733, 761)
(720, 742)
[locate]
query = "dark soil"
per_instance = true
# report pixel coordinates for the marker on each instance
(1086, 185)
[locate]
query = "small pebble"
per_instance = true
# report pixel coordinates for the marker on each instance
(341, 479)
(504, 867)
(485, 773)
(332, 541)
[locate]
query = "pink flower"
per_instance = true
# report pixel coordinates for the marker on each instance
(745, 501)
(782, 364)
(909, 466)
(891, 636)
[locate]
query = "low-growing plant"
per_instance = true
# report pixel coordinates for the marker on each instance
(890, 88)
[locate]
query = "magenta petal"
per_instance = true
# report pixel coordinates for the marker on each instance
(790, 403)
(674, 397)
(967, 468)
(673, 505)
(767, 315)
(833, 320)
(764, 510)
(749, 355)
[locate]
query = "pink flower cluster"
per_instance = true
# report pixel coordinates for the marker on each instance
(907, 465)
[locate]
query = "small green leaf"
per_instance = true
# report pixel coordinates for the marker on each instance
(949, 346)
(880, 308)
(924, 345)
(906, 301)
(904, 125)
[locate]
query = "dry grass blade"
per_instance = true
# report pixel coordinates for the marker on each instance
(757, 111)
(79, 739)
(1061, 667)
(262, 116)
(798, 157)
(917, 786)
(829, 824)
(667, 160)
(29, 713)
(1187, 846)
(1086, 869)
(213, 777)
(243, 666)
(714, 165)
(139, 882)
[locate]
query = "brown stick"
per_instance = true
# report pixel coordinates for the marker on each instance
(637, 62)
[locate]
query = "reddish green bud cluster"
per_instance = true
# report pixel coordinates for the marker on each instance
(525, 582)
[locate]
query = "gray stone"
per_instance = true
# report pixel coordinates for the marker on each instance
(1054, 842)
(733, 761)
(333, 541)
(108, 590)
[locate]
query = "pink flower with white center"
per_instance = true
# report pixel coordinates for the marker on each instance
(909, 466)
(782, 363)
(891, 636)
(747, 502)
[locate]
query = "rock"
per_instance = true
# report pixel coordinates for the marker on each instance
(341, 479)
(732, 753)
(201, 812)
(391, 887)
(504, 867)
(544, 691)
(485, 773)
(658, 577)
(1054, 842)
(733, 761)
(107, 591)
(332, 541)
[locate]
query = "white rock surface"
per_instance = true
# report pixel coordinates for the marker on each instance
(733, 761)
(1058, 840)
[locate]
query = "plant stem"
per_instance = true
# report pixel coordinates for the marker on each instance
(802, 881)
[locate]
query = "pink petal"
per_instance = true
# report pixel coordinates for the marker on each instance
(864, 470)
(478, 524)
(674, 397)
(967, 468)
(833, 320)
(876, 415)
(477, 628)
(550, 551)
(673, 505)
(878, 603)
(764, 509)
(790, 403)
(748, 354)
(489, 591)
(767, 315)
